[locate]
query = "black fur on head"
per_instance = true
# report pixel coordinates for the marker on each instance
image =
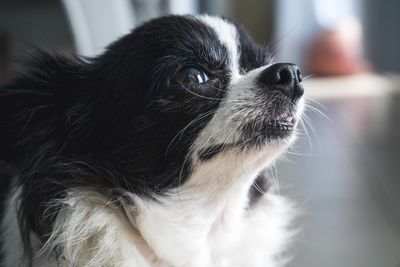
(114, 122)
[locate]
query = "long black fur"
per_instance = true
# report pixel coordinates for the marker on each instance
(112, 122)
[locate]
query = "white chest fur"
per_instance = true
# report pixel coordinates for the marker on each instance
(207, 223)
(202, 224)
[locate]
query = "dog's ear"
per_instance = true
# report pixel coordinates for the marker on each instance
(40, 103)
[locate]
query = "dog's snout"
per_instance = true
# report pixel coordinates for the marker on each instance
(285, 77)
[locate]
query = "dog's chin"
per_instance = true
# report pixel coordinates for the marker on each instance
(265, 136)
(277, 130)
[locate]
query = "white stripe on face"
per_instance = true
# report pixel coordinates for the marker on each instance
(227, 35)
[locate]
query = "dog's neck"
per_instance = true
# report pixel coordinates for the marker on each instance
(206, 212)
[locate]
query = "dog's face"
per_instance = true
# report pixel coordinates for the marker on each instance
(176, 94)
(196, 87)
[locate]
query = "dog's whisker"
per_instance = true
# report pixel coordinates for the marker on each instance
(306, 77)
(197, 119)
(301, 122)
(319, 112)
(307, 122)
(316, 102)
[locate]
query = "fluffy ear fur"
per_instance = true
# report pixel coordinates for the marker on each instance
(37, 103)
(58, 98)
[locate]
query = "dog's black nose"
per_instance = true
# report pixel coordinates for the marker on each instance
(285, 77)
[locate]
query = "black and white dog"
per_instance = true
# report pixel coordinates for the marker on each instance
(151, 154)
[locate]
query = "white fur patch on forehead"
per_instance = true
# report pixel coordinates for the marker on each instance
(227, 35)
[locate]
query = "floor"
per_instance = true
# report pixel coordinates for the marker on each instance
(346, 181)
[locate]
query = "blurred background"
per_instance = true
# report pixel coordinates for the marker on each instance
(345, 169)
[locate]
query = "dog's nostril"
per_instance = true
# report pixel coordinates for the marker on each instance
(285, 76)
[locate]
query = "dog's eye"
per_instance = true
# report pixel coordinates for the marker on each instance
(191, 76)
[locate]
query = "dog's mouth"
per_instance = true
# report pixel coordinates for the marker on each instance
(282, 124)
(276, 128)
(279, 128)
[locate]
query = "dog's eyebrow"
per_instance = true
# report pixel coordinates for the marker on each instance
(227, 35)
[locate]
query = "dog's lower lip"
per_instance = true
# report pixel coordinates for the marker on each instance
(280, 124)
(282, 121)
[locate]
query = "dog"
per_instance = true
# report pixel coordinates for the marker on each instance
(153, 153)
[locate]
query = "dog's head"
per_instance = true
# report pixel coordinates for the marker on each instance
(200, 87)
(177, 93)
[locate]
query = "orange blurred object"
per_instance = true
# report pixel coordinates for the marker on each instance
(337, 51)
